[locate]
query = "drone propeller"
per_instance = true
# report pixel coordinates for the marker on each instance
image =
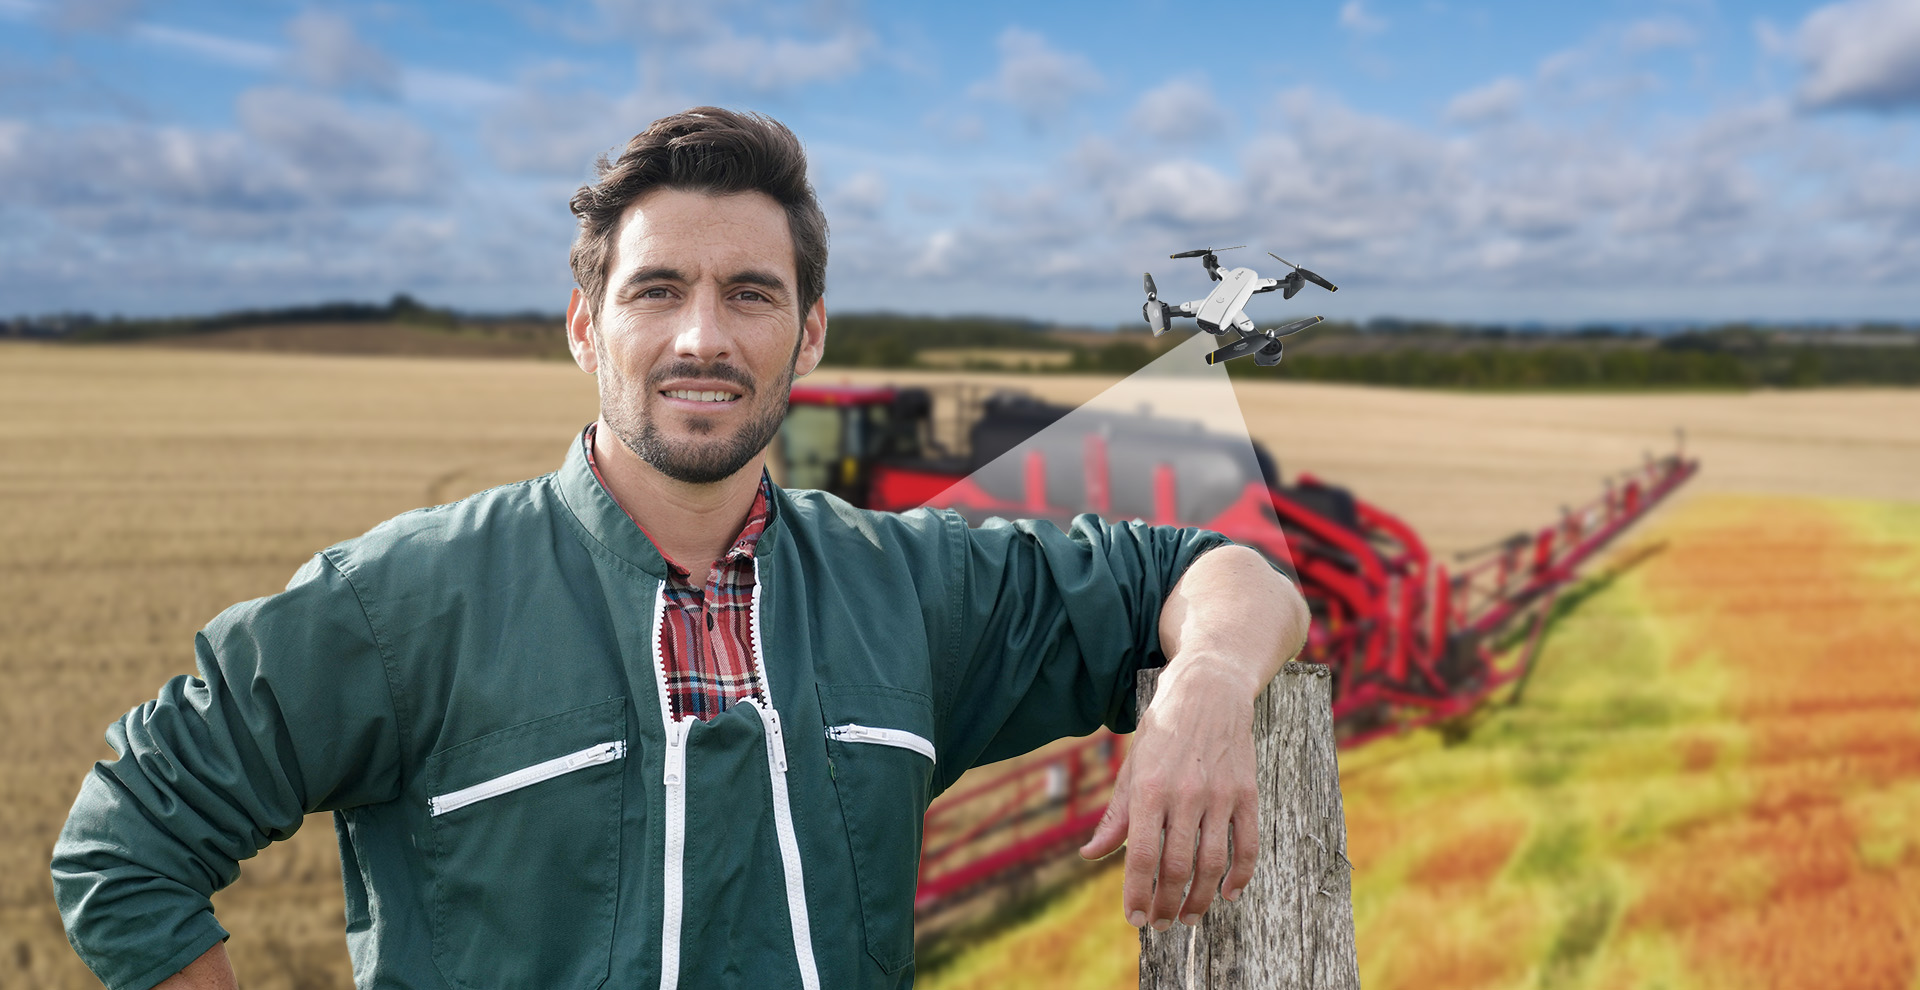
(1157, 313)
(1309, 276)
(1294, 327)
(1239, 349)
(1201, 252)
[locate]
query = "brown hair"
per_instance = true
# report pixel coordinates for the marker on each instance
(709, 150)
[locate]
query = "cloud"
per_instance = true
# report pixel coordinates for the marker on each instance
(768, 63)
(453, 90)
(540, 130)
(1540, 204)
(327, 53)
(961, 128)
(219, 49)
(862, 195)
(293, 151)
(935, 257)
(307, 200)
(1657, 32)
(95, 172)
(1497, 100)
(1861, 54)
(335, 154)
(1355, 17)
(92, 16)
(1182, 193)
(667, 20)
(790, 44)
(1038, 79)
(1180, 109)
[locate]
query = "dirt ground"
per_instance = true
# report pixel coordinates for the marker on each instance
(142, 490)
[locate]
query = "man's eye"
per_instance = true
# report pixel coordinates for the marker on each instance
(656, 292)
(750, 295)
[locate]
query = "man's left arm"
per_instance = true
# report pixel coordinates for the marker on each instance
(1227, 626)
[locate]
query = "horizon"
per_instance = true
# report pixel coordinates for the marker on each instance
(1498, 163)
(373, 311)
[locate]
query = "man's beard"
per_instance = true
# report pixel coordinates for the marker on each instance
(693, 462)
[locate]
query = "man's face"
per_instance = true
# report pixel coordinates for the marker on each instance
(700, 332)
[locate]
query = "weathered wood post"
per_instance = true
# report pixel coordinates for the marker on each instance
(1292, 928)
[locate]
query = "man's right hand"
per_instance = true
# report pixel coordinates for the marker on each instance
(212, 971)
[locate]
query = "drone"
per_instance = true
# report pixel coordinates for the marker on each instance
(1223, 313)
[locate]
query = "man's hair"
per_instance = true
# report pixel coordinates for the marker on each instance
(707, 150)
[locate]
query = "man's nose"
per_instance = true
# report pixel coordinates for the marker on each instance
(700, 336)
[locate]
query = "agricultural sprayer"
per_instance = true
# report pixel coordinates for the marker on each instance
(1410, 640)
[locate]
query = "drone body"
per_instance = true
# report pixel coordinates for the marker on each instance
(1223, 312)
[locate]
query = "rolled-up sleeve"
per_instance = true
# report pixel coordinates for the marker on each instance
(292, 711)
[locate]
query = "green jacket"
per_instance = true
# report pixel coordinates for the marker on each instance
(474, 691)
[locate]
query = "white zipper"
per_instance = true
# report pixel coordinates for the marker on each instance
(675, 779)
(782, 807)
(901, 738)
(592, 756)
(789, 845)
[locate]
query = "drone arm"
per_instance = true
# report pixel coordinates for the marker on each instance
(1268, 285)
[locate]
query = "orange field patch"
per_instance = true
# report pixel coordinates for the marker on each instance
(1472, 858)
(1792, 599)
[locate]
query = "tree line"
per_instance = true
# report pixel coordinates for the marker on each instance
(1406, 353)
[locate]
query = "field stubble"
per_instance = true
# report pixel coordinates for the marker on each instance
(143, 490)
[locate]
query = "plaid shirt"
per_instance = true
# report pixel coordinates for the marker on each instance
(707, 634)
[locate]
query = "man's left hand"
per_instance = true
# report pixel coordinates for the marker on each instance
(1185, 801)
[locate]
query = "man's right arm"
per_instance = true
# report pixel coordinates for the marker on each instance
(292, 712)
(212, 971)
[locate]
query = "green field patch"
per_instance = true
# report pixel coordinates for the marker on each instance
(1583, 927)
(1558, 850)
(1885, 832)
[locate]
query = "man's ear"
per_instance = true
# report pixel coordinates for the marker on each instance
(580, 333)
(813, 338)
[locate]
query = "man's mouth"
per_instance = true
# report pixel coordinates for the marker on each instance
(692, 395)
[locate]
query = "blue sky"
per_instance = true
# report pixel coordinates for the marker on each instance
(1613, 160)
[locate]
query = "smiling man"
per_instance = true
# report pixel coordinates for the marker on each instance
(651, 719)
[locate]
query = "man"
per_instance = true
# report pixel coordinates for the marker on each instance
(650, 719)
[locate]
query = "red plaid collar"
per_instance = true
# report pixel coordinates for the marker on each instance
(757, 517)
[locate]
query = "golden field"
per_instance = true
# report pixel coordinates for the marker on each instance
(143, 490)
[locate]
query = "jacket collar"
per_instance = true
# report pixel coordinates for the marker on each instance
(609, 524)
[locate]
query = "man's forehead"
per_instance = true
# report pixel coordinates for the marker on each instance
(691, 230)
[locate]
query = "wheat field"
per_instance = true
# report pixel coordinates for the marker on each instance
(142, 490)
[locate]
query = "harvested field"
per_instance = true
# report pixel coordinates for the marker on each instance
(499, 340)
(144, 489)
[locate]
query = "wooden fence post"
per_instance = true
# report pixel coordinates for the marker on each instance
(1292, 928)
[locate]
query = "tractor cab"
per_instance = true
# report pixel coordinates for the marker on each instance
(835, 437)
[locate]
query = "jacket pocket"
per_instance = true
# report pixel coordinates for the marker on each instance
(881, 758)
(524, 851)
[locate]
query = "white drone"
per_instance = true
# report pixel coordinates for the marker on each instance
(1223, 312)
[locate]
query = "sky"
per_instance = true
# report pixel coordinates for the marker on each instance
(1608, 161)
